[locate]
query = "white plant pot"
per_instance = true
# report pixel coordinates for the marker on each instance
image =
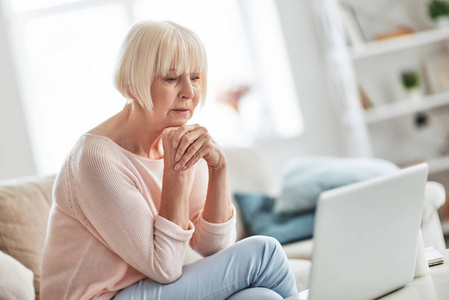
(442, 22)
(414, 94)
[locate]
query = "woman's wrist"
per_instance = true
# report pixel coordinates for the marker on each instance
(219, 168)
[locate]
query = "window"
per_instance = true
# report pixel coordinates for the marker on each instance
(65, 52)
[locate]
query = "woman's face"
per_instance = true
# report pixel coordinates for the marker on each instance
(175, 97)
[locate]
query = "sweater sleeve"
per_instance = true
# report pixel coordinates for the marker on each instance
(209, 238)
(115, 211)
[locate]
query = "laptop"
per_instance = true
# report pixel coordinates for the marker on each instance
(365, 237)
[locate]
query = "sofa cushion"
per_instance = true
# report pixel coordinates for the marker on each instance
(16, 281)
(299, 250)
(250, 170)
(24, 208)
(301, 270)
(307, 177)
(259, 219)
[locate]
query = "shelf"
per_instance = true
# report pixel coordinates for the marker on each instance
(400, 43)
(405, 107)
(439, 164)
(436, 164)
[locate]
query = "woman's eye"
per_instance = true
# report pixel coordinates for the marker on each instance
(171, 79)
(196, 78)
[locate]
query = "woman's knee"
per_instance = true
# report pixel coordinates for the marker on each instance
(263, 242)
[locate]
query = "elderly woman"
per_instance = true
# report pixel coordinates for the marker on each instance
(139, 188)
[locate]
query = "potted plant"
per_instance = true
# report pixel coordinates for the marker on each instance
(410, 82)
(438, 11)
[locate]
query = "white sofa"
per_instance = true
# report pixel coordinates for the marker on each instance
(25, 204)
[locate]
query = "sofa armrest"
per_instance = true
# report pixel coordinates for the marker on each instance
(24, 207)
(432, 232)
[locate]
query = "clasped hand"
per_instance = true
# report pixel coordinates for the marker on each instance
(184, 146)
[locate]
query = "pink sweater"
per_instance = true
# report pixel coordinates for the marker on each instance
(104, 232)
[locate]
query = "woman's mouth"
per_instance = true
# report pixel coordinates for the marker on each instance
(181, 111)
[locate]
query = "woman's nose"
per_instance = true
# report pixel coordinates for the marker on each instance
(186, 91)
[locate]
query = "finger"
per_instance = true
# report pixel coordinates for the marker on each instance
(188, 139)
(196, 157)
(181, 132)
(191, 152)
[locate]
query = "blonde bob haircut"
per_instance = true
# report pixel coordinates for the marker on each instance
(153, 49)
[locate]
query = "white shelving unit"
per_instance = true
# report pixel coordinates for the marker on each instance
(377, 66)
(403, 107)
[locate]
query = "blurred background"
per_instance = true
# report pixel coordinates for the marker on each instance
(288, 77)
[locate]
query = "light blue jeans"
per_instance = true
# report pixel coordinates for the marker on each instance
(253, 268)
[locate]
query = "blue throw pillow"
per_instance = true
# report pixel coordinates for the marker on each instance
(260, 219)
(307, 177)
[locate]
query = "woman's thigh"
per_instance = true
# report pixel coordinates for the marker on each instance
(252, 262)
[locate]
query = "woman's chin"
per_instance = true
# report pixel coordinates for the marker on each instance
(178, 123)
(176, 120)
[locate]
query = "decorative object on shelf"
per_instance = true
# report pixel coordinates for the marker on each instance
(351, 25)
(438, 11)
(365, 101)
(401, 31)
(421, 119)
(411, 83)
(437, 72)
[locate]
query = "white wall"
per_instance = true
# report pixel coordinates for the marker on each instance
(321, 136)
(15, 151)
(322, 132)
